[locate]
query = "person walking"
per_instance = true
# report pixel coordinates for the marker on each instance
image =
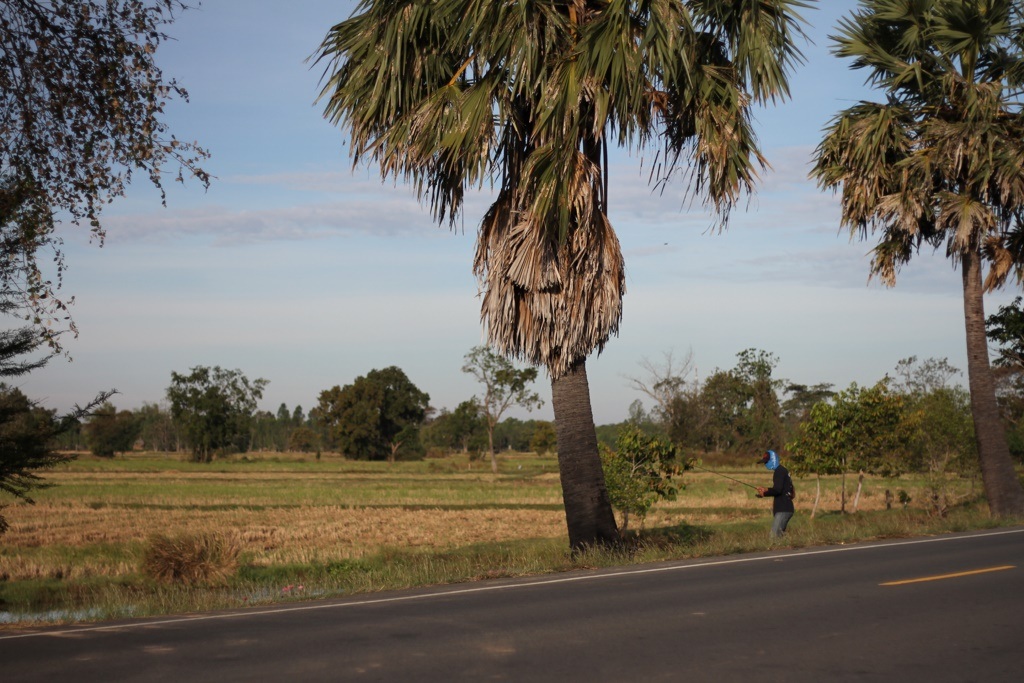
(781, 492)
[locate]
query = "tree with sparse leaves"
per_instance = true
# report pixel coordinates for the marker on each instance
(667, 383)
(504, 385)
(81, 111)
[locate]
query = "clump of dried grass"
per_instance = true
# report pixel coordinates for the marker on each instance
(191, 558)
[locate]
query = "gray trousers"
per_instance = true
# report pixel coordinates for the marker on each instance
(780, 522)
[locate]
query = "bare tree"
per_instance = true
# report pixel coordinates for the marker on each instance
(664, 383)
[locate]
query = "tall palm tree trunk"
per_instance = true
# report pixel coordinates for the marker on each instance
(588, 512)
(1002, 488)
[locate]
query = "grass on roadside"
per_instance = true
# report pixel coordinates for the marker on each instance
(334, 528)
(135, 595)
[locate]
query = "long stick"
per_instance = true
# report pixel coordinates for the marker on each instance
(726, 476)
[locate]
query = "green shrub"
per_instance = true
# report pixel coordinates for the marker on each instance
(638, 472)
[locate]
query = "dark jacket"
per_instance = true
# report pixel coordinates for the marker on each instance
(779, 492)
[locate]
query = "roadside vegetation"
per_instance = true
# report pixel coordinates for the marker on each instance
(142, 531)
(155, 533)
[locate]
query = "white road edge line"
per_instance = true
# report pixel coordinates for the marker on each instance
(483, 589)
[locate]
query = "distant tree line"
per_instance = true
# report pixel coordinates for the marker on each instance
(382, 415)
(915, 419)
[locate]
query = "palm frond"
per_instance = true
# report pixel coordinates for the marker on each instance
(891, 253)
(761, 37)
(549, 303)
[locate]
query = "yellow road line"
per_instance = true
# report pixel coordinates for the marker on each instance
(948, 576)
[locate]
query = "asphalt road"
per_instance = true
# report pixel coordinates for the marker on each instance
(952, 611)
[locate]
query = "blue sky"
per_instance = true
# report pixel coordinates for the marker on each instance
(295, 268)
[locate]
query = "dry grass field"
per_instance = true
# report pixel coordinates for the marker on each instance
(94, 522)
(292, 518)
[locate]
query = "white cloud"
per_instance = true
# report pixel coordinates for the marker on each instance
(234, 227)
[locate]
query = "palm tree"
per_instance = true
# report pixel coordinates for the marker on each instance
(940, 163)
(528, 96)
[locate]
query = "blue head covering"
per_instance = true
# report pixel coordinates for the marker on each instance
(773, 460)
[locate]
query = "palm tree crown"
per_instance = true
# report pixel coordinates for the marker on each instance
(528, 96)
(942, 160)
